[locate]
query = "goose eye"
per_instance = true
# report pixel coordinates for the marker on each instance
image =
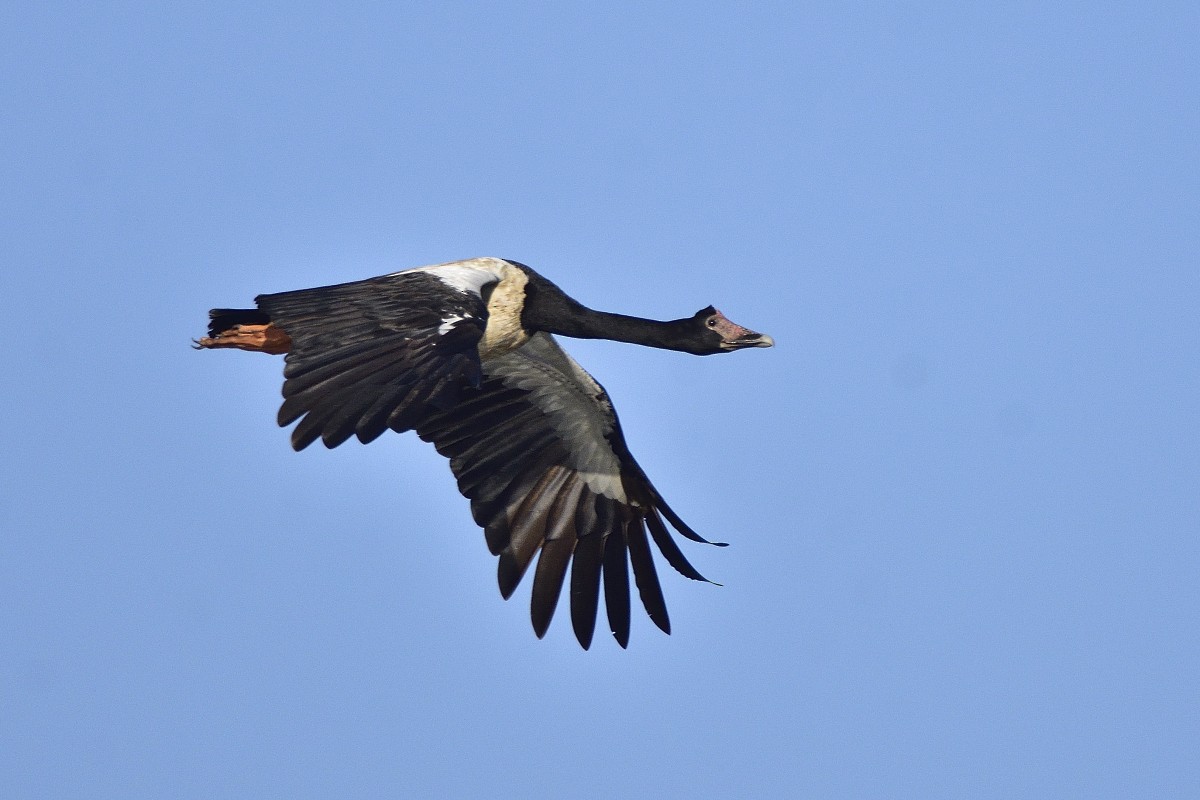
(712, 322)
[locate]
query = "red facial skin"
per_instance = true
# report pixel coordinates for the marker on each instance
(729, 330)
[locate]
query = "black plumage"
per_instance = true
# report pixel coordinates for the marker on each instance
(463, 354)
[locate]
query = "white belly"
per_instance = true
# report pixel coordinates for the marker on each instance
(504, 331)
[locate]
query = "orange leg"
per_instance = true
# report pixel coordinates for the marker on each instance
(257, 338)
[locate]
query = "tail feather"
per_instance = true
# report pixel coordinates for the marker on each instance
(222, 319)
(244, 329)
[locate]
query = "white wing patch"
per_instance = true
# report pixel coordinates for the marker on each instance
(448, 323)
(503, 331)
(467, 276)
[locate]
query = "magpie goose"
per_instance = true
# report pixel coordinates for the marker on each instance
(463, 354)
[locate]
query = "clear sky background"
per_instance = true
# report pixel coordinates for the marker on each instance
(961, 493)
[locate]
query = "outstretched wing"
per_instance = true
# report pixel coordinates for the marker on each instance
(532, 438)
(539, 451)
(381, 353)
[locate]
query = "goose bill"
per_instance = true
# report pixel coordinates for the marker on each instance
(749, 340)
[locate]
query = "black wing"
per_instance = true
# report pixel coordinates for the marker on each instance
(531, 437)
(377, 354)
(539, 451)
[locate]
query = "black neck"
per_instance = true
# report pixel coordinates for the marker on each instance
(547, 308)
(585, 323)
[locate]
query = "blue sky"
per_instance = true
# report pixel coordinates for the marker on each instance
(961, 493)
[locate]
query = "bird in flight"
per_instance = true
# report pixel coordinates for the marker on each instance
(464, 354)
